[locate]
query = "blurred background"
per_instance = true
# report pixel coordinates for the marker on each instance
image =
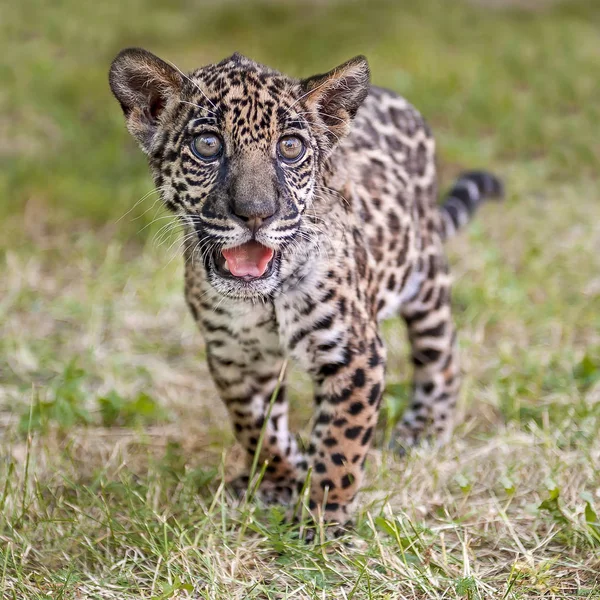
(100, 361)
(510, 83)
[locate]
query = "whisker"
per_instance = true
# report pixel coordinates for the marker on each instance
(146, 195)
(210, 112)
(306, 94)
(194, 84)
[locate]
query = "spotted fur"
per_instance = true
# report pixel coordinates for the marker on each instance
(357, 235)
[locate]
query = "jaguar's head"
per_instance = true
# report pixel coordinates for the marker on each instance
(236, 150)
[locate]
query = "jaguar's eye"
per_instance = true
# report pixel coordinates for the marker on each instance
(291, 148)
(207, 145)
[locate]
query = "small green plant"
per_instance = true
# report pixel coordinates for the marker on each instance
(170, 590)
(466, 587)
(116, 410)
(587, 371)
(592, 520)
(62, 403)
(552, 507)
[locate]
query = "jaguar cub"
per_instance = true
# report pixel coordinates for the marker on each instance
(309, 212)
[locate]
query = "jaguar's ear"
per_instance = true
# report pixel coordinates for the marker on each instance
(336, 96)
(143, 85)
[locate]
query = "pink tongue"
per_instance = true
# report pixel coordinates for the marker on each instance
(250, 259)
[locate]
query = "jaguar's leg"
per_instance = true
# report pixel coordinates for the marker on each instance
(436, 378)
(348, 397)
(245, 361)
(247, 391)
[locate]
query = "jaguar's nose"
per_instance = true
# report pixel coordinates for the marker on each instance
(253, 218)
(254, 223)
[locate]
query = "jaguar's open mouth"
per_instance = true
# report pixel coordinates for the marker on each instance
(247, 262)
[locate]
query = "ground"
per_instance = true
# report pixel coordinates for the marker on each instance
(113, 443)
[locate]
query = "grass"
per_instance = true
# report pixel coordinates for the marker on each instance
(113, 443)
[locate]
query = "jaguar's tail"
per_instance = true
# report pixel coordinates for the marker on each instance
(469, 191)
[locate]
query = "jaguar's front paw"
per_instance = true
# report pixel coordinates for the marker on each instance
(405, 437)
(319, 526)
(418, 433)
